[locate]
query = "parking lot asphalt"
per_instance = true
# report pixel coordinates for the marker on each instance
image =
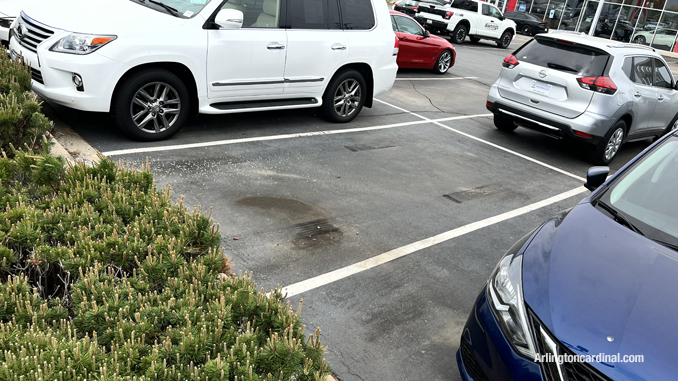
(344, 215)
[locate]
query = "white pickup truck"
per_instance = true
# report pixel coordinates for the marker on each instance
(476, 19)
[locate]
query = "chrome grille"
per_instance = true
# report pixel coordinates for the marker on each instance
(37, 76)
(32, 33)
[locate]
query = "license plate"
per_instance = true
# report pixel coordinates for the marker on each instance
(429, 21)
(541, 88)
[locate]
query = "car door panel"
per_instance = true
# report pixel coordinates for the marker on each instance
(415, 49)
(667, 96)
(488, 25)
(643, 94)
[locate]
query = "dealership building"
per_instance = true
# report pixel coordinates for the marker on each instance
(653, 23)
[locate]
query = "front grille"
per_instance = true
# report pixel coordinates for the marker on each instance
(470, 362)
(37, 76)
(33, 33)
(572, 371)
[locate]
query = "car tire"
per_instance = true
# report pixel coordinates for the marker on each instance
(505, 39)
(526, 30)
(604, 152)
(503, 124)
(640, 40)
(459, 34)
(474, 39)
(151, 105)
(444, 62)
(350, 86)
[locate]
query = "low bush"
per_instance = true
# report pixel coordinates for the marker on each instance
(21, 122)
(105, 278)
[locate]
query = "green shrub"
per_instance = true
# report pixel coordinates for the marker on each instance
(107, 279)
(21, 122)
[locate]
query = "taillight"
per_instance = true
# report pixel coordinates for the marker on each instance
(583, 134)
(510, 61)
(542, 24)
(395, 46)
(448, 15)
(598, 84)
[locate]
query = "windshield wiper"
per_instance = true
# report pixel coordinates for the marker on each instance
(169, 9)
(619, 217)
(558, 66)
(669, 245)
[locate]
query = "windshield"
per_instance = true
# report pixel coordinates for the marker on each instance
(184, 8)
(645, 194)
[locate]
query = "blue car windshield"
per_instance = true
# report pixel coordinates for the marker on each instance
(646, 194)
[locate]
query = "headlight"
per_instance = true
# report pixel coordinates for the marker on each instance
(506, 292)
(76, 43)
(6, 22)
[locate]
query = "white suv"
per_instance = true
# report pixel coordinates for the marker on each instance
(151, 63)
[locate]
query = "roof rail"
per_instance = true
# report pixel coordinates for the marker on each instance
(631, 45)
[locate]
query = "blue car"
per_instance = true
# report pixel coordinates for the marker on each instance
(592, 294)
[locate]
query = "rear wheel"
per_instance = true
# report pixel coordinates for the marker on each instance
(345, 96)
(605, 151)
(639, 40)
(526, 30)
(443, 63)
(503, 124)
(151, 105)
(459, 34)
(505, 40)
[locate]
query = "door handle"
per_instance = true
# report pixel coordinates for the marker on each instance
(402, 38)
(275, 46)
(660, 98)
(338, 47)
(637, 94)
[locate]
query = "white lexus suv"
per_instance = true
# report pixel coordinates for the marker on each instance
(152, 63)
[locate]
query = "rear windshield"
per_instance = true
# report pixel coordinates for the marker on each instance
(575, 59)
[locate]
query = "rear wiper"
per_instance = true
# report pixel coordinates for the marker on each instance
(169, 9)
(619, 217)
(558, 66)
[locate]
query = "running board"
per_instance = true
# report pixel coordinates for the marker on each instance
(264, 104)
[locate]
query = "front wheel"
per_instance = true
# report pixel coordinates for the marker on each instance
(443, 63)
(639, 40)
(151, 105)
(459, 34)
(527, 30)
(345, 96)
(605, 151)
(505, 40)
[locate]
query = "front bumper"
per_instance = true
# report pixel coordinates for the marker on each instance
(548, 123)
(485, 354)
(53, 76)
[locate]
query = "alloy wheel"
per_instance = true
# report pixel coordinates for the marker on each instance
(461, 34)
(155, 107)
(444, 61)
(507, 39)
(347, 97)
(614, 143)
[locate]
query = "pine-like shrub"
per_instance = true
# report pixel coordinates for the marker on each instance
(105, 278)
(21, 122)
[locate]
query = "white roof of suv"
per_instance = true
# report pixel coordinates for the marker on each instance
(609, 46)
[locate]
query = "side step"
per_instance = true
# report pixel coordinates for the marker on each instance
(264, 104)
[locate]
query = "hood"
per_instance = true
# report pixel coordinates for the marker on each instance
(587, 277)
(98, 16)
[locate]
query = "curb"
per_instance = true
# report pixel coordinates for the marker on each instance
(68, 143)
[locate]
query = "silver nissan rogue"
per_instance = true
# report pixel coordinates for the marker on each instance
(586, 88)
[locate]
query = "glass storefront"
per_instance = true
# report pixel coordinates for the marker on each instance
(648, 22)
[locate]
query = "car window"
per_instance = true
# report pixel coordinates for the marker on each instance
(494, 12)
(258, 15)
(409, 26)
(627, 67)
(662, 75)
(312, 14)
(486, 10)
(642, 71)
(393, 24)
(575, 59)
(467, 5)
(357, 14)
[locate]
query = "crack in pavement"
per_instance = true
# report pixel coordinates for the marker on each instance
(348, 369)
(425, 96)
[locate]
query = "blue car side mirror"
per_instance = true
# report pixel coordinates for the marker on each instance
(595, 177)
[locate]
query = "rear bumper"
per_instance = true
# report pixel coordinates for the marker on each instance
(548, 123)
(431, 24)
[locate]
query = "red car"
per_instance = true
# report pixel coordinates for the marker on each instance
(420, 49)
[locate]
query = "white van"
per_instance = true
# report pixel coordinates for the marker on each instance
(152, 63)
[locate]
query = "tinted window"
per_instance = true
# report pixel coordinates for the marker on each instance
(515, 15)
(642, 71)
(465, 5)
(312, 14)
(486, 10)
(662, 75)
(573, 59)
(409, 26)
(357, 14)
(627, 66)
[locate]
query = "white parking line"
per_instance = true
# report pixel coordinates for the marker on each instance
(437, 122)
(434, 79)
(344, 272)
(286, 136)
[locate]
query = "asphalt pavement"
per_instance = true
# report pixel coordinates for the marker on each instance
(344, 214)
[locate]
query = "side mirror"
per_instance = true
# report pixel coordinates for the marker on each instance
(595, 177)
(229, 18)
(426, 34)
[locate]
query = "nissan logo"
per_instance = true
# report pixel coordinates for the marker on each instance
(542, 73)
(20, 32)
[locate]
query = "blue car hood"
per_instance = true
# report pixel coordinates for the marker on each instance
(587, 277)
